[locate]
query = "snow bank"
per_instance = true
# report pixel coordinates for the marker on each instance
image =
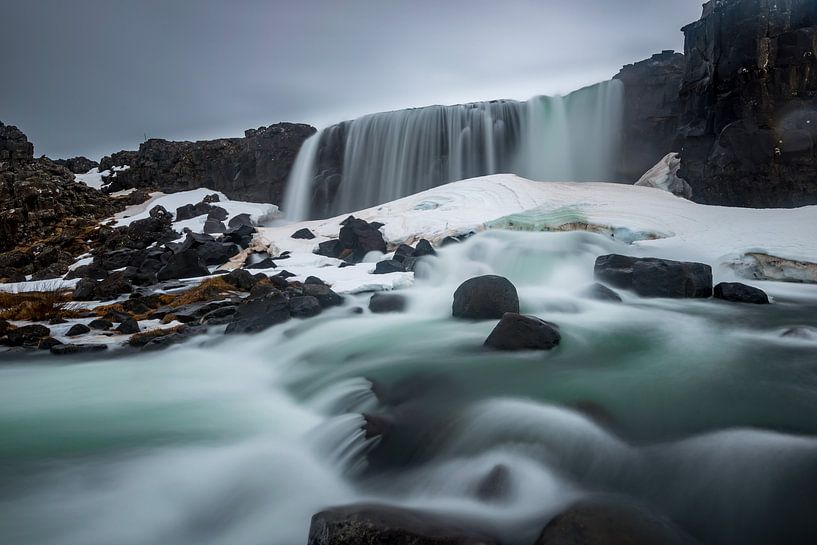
(664, 175)
(656, 222)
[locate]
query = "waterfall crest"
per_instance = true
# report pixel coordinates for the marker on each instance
(381, 157)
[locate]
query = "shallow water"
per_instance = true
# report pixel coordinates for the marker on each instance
(697, 409)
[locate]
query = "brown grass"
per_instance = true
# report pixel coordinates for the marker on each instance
(36, 306)
(210, 290)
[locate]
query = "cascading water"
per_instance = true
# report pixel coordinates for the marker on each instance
(698, 409)
(381, 157)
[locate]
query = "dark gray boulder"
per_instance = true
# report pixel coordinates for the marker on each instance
(74, 349)
(303, 234)
(651, 277)
(128, 326)
(388, 266)
(28, 335)
(381, 303)
(304, 306)
(383, 525)
(78, 329)
(324, 294)
(600, 292)
(424, 248)
(185, 264)
(219, 316)
(100, 324)
(740, 293)
(259, 313)
(85, 290)
(518, 332)
(485, 298)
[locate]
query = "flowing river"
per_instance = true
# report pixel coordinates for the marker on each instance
(701, 410)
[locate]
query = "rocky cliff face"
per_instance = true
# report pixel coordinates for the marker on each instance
(749, 99)
(651, 112)
(253, 168)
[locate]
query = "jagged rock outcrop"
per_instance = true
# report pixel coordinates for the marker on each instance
(43, 211)
(254, 168)
(749, 98)
(77, 165)
(650, 112)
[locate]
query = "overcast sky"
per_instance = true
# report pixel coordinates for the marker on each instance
(94, 76)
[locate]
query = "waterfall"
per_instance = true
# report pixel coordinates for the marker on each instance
(381, 157)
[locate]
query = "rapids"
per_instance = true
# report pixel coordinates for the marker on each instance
(698, 409)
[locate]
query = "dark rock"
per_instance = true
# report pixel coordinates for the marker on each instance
(77, 165)
(410, 263)
(314, 280)
(388, 266)
(748, 126)
(267, 263)
(600, 292)
(53, 321)
(518, 332)
(214, 226)
(387, 302)
(87, 271)
(47, 343)
(241, 235)
(217, 253)
(403, 251)
(239, 221)
(424, 248)
(357, 238)
(219, 316)
(303, 234)
(241, 279)
(496, 485)
(329, 248)
(116, 316)
(377, 425)
(193, 241)
(740, 293)
(27, 335)
(484, 298)
(608, 524)
(185, 212)
(651, 277)
(160, 213)
(78, 329)
(4, 327)
(179, 336)
(112, 287)
(217, 213)
(128, 326)
(254, 168)
(304, 307)
(73, 349)
(259, 313)
(100, 324)
(262, 290)
(285, 274)
(381, 525)
(324, 294)
(185, 264)
(447, 241)
(211, 198)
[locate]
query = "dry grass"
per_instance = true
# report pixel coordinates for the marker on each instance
(36, 306)
(211, 289)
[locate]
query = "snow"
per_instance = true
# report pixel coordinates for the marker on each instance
(92, 178)
(258, 212)
(655, 221)
(664, 175)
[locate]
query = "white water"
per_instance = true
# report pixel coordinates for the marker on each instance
(389, 155)
(703, 412)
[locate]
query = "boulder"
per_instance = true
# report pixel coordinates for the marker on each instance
(27, 335)
(47, 343)
(305, 306)
(387, 302)
(266, 263)
(239, 221)
(600, 292)
(485, 298)
(496, 485)
(329, 248)
(128, 326)
(388, 266)
(100, 324)
(597, 523)
(259, 313)
(740, 293)
(651, 277)
(324, 294)
(303, 234)
(423, 248)
(217, 213)
(85, 290)
(113, 286)
(212, 226)
(160, 213)
(380, 525)
(357, 238)
(402, 252)
(217, 253)
(185, 264)
(219, 316)
(78, 329)
(518, 332)
(73, 349)
(241, 279)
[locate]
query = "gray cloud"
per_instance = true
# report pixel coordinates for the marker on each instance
(94, 76)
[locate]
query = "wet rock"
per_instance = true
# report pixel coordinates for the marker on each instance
(113, 286)
(600, 292)
(266, 263)
(387, 302)
(329, 248)
(53, 321)
(100, 324)
(240, 220)
(47, 343)
(241, 235)
(304, 306)
(217, 253)
(4, 327)
(219, 316)
(73, 349)
(740, 293)
(403, 251)
(485, 298)
(217, 213)
(388, 266)
(128, 326)
(27, 335)
(259, 313)
(496, 485)
(598, 523)
(78, 329)
(303, 234)
(160, 213)
(377, 425)
(185, 264)
(805, 333)
(651, 277)
(518, 332)
(241, 279)
(179, 336)
(116, 316)
(84, 290)
(190, 211)
(212, 226)
(324, 294)
(87, 271)
(423, 249)
(379, 525)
